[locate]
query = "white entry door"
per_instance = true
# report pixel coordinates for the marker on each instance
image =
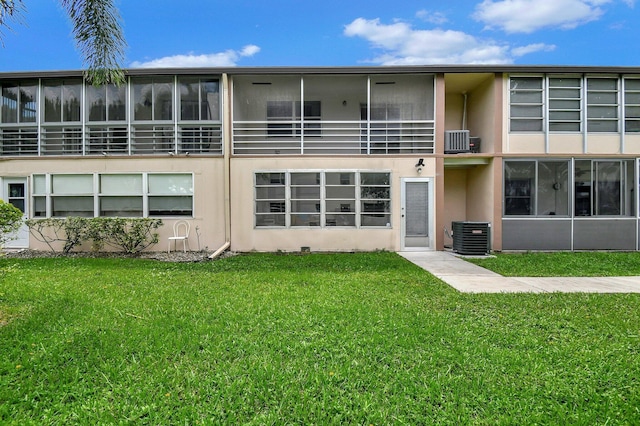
(417, 216)
(15, 192)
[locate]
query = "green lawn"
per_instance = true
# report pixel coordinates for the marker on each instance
(562, 264)
(315, 339)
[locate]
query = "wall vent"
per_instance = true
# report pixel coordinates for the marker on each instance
(471, 238)
(456, 141)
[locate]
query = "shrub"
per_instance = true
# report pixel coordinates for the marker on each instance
(130, 235)
(10, 222)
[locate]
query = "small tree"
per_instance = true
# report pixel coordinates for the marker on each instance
(10, 222)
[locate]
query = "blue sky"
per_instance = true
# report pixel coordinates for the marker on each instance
(162, 33)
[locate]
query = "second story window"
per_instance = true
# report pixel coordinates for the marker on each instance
(632, 105)
(105, 103)
(565, 105)
(18, 102)
(526, 104)
(602, 104)
(152, 99)
(62, 100)
(199, 99)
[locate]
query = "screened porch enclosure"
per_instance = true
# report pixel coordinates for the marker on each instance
(333, 114)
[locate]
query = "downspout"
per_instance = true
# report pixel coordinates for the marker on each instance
(464, 110)
(226, 152)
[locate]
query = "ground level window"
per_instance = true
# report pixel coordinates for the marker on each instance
(536, 188)
(113, 195)
(314, 199)
(604, 188)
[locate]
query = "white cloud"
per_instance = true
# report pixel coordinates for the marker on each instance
(532, 48)
(402, 45)
(527, 16)
(228, 58)
(436, 18)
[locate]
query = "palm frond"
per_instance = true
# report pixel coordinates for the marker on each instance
(10, 10)
(99, 38)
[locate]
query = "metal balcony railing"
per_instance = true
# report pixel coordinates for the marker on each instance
(294, 137)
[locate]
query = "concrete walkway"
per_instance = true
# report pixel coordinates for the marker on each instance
(469, 278)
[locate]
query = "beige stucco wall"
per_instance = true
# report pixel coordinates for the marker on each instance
(481, 107)
(208, 189)
(245, 237)
(632, 144)
(570, 143)
(603, 143)
(524, 143)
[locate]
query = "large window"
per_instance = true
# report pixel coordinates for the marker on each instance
(152, 99)
(322, 199)
(604, 188)
(18, 103)
(113, 195)
(526, 104)
(62, 100)
(536, 188)
(199, 99)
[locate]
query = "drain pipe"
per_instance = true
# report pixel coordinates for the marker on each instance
(464, 110)
(226, 148)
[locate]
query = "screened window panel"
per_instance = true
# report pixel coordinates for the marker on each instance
(519, 177)
(142, 99)
(341, 220)
(552, 194)
(632, 83)
(163, 101)
(121, 206)
(116, 103)
(632, 112)
(71, 93)
(565, 82)
(632, 98)
(39, 184)
(52, 102)
(602, 83)
(609, 182)
(340, 192)
(96, 103)
(526, 98)
(121, 184)
(169, 184)
(10, 104)
(189, 99)
(560, 126)
(526, 125)
(72, 206)
(270, 207)
(632, 126)
(170, 206)
(526, 111)
(270, 220)
(72, 184)
(39, 207)
(266, 193)
(566, 116)
(555, 104)
(305, 220)
(28, 102)
(600, 98)
(526, 83)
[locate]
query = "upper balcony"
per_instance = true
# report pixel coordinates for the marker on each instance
(147, 116)
(333, 114)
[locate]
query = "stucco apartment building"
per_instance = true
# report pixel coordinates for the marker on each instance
(334, 159)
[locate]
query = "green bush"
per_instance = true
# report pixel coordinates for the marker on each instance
(130, 235)
(10, 222)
